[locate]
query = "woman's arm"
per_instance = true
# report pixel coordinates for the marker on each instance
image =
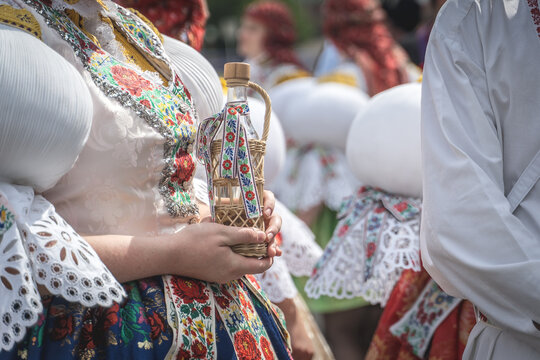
(201, 251)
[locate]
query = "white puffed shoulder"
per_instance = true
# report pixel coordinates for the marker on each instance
(46, 111)
(275, 145)
(383, 147)
(319, 113)
(198, 76)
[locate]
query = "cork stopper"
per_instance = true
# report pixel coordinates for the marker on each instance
(236, 74)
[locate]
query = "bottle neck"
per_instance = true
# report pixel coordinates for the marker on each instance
(237, 94)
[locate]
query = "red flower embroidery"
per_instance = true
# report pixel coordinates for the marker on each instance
(244, 168)
(129, 80)
(227, 164)
(87, 335)
(189, 290)
(343, 230)
(246, 346)
(266, 349)
(63, 325)
(183, 117)
(232, 111)
(198, 350)
(157, 325)
(183, 355)
(229, 136)
(146, 103)
(241, 142)
(222, 302)
(239, 109)
(184, 167)
(250, 195)
(371, 247)
(402, 206)
(379, 210)
(207, 310)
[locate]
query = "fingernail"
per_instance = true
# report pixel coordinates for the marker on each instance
(270, 236)
(268, 212)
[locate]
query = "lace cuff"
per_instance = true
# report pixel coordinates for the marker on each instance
(277, 282)
(376, 239)
(38, 247)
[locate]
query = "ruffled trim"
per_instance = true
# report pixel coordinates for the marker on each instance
(376, 238)
(312, 176)
(300, 251)
(37, 247)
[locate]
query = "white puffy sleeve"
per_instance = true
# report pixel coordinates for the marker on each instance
(472, 244)
(198, 75)
(46, 115)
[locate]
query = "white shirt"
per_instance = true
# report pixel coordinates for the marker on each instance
(480, 130)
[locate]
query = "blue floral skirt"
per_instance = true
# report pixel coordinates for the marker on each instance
(136, 329)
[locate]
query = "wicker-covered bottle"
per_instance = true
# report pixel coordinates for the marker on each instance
(237, 160)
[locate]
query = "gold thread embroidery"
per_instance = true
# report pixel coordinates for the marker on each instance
(131, 53)
(79, 21)
(296, 75)
(21, 19)
(338, 77)
(71, 2)
(147, 22)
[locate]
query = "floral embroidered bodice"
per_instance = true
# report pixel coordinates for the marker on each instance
(134, 174)
(139, 153)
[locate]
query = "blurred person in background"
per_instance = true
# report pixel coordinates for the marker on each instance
(266, 39)
(370, 58)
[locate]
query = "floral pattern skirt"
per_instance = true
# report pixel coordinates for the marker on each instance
(136, 329)
(449, 339)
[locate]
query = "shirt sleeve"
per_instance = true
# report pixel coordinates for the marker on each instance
(472, 244)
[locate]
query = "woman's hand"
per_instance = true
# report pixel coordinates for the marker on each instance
(272, 223)
(203, 251)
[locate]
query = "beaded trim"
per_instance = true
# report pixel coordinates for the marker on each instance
(178, 136)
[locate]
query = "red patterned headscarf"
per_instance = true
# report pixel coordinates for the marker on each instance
(358, 30)
(280, 31)
(181, 19)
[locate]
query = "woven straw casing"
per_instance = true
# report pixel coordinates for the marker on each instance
(232, 213)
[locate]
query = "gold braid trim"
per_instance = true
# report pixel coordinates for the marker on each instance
(79, 21)
(339, 78)
(147, 22)
(20, 19)
(296, 75)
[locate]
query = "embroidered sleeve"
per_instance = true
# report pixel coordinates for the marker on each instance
(376, 239)
(37, 247)
(19, 18)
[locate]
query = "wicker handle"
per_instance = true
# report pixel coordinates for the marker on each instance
(268, 111)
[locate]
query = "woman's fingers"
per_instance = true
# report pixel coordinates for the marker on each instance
(235, 236)
(246, 265)
(269, 203)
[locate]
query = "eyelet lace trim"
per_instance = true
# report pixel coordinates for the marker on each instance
(39, 247)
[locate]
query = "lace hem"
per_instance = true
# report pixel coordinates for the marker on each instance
(300, 251)
(38, 247)
(376, 239)
(277, 282)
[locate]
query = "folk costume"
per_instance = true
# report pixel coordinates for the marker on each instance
(97, 74)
